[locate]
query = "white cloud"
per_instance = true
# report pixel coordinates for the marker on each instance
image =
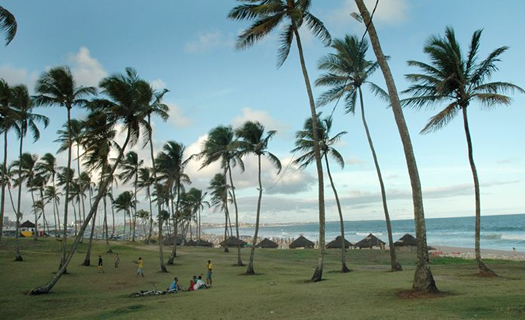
(15, 76)
(388, 11)
(262, 116)
(86, 69)
(177, 116)
(206, 42)
(158, 84)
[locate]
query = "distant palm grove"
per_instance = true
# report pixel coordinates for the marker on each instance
(66, 197)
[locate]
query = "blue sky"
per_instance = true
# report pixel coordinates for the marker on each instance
(188, 47)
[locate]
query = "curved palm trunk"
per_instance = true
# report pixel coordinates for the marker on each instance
(135, 208)
(318, 273)
(106, 224)
(161, 252)
(81, 203)
(150, 217)
(423, 279)
(66, 202)
(483, 269)
(18, 254)
(344, 267)
(250, 269)
(4, 180)
(103, 185)
(87, 260)
(175, 225)
(239, 260)
(394, 264)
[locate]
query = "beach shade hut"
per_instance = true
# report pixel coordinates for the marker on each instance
(27, 224)
(267, 243)
(302, 242)
(336, 243)
(232, 242)
(169, 241)
(191, 243)
(203, 243)
(407, 240)
(370, 241)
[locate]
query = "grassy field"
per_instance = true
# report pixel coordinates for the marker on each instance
(280, 290)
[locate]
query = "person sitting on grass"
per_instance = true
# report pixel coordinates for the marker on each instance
(193, 280)
(174, 286)
(200, 284)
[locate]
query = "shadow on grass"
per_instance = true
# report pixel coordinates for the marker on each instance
(411, 295)
(121, 311)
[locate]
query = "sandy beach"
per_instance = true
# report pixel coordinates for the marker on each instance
(468, 253)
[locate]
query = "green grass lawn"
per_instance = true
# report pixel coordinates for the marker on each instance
(280, 290)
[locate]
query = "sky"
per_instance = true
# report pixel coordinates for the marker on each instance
(188, 47)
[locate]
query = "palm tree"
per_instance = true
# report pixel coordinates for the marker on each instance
(130, 170)
(220, 146)
(253, 140)
(8, 24)
(219, 197)
(125, 104)
(304, 143)
(24, 169)
(268, 16)
(347, 71)
(8, 117)
(457, 80)
(124, 202)
(146, 181)
(52, 194)
(58, 87)
(26, 121)
(423, 279)
(46, 168)
(195, 198)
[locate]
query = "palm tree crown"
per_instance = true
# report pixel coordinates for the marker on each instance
(8, 24)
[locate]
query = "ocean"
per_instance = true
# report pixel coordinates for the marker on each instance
(501, 232)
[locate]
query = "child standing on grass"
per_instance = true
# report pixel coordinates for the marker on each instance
(100, 268)
(209, 267)
(117, 260)
(140, 270)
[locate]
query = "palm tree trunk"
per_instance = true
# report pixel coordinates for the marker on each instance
(483, 269)
(101, 190)
(175, 225)
(394, 264)
(150, 217)
(80, 188)
(250, 269)
(318, 273)
(66, 202)
(18, 254)
(157, 187)
(4, 182)
(239, 260)
(106, 224)
(35, 232)
(344, 267)
(135, 208)
(423, 279)
(87, 260)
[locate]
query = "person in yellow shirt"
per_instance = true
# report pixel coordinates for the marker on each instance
(140, 270)
(209, 266)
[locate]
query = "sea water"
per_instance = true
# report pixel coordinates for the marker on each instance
(501, 232)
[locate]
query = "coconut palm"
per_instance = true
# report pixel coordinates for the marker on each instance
(51, 194)
(24, 170)
(457, 80)
(58, 87)
(219, 197)
(304, 143)
(423, 279)
(347, 71)
(146, 181)
(253, 140)
(288, 16)
(8, 24)
(46, 168)
(130, 170)
(124, 105)
(195, 198)
(124, 202)
(26, 121)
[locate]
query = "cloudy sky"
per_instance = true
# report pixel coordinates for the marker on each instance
(188, 47)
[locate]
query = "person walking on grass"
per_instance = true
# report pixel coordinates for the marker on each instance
(100, 268)
(140, 270)
(209, 266)
(117, 260)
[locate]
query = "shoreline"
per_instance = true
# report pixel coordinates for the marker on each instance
(468, 253)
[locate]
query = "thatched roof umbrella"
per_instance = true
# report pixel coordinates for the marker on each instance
(267, 243)
(232, 242)
(203, 243)
(302, 242)
(27, 224)
(336, 243)
(169, 241)
(407, 240)
(191, 243)
(370, 241)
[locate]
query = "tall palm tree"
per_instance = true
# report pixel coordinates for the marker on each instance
(8, 117)
(423, 279)
(130, 170)
(457, 80)
(347, 71)
(8, 24)
(269, 16)
(146, 181)
(58, 87)
(51, 194)
(253, 140)
(46, 168)
(304, 143)
(24, 169)
(221, 146)
(26, 121)
(124, 202)
(219, 197)
(196, 199)
(124, 105)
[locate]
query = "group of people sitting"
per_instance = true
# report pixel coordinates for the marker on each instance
(195, 284)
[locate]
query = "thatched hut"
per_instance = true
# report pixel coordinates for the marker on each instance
(203, 243)
(302, 242)
(168, 241)
(232, 242)
(190, 243)
(27, 224)
(370, 241)
(267, 243)
(407, 240)
(336, 243)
